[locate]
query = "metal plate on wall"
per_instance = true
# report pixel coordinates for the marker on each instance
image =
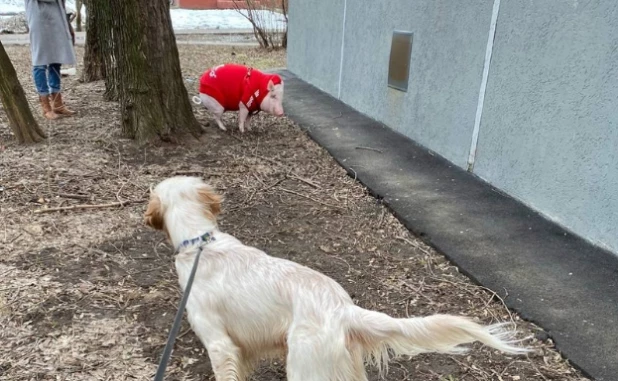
(399, 63)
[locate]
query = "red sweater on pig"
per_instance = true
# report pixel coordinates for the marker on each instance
(231, 84)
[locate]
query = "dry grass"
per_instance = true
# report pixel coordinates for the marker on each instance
(89, 294)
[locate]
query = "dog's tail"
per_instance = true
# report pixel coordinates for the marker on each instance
(381, 335)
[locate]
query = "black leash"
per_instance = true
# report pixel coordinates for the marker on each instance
(169, 346)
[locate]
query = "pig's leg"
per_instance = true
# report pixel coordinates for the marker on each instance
(243, 116)
(248, 122)
(220, 122)
(215, 108)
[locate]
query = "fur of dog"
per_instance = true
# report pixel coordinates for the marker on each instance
(246, 305)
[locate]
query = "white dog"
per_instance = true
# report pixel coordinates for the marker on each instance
(246, 305)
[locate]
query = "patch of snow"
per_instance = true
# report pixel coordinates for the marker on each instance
(7, 6)
(185, 19)
(222, 19)
(12, 6)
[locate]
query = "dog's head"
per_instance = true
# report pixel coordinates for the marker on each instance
(186, 198)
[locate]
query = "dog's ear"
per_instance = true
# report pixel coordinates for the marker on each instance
(154, 213)
(211, 201)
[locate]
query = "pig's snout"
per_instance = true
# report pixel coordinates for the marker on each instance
(278, 110)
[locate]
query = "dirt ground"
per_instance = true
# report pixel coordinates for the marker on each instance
(90, 294)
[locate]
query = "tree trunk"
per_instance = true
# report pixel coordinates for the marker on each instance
(284, 10)
(13, 98)
(153, 98)
(94, 68)
(78, 17)
(101, 19)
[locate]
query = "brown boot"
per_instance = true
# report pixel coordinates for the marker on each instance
(47, 108)
(58, 106)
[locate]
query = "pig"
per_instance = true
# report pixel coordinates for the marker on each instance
(233, 87)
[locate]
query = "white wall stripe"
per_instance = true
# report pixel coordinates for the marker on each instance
(481, 101)
(345, 9)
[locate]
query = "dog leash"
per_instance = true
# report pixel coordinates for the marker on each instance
(169, 346)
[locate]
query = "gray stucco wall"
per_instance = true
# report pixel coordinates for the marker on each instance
(549, 132)
(446, 67)
(314, 42)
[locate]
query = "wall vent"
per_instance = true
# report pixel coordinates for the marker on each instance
(399, 63)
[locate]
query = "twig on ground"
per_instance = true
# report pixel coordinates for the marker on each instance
(418, 291)
(96, 206)
(309, 182)
(272, 185)
(536, 368)
(97, 251)
(74, 196)
(381, 219)
(272, 161)
(311, 198)
(237, 138)
(184, 173)
(119, 191)
(414, 244)
(472, 370)
(198, 172)
(6, 272)
(147, 270)
(184, 333)
(230, 210)
(369, 149)
(15, 238)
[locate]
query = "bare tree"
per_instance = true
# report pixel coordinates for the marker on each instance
(94, 67)
(263, 16)
(284, 10)
(142, 67)
(78, 17)
(15, 104)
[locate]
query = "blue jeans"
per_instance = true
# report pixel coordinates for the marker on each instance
(47, 78)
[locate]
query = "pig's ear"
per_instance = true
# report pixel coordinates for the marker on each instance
(271, 85)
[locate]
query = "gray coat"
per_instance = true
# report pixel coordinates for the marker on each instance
(50, 39)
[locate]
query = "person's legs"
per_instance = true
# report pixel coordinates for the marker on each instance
(39, 72)
(53, 78)
(56, 96)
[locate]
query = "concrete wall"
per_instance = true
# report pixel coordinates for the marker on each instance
(548, 134)
(447, 61)
(314, 41)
